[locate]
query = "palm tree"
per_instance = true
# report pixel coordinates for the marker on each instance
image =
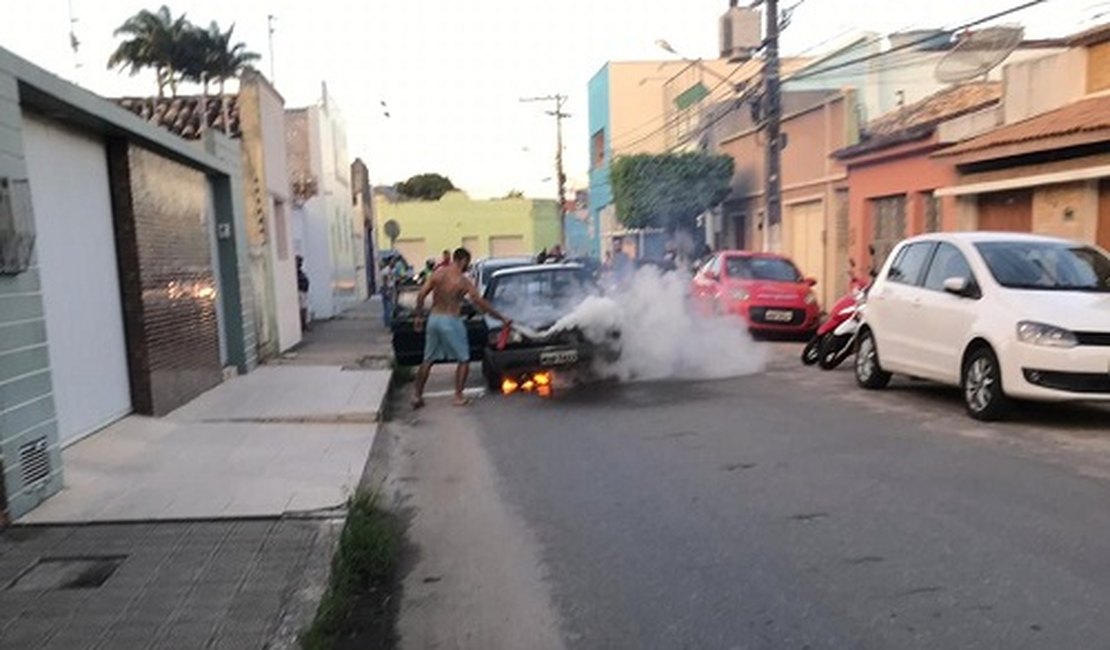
(228, 61)
(156, 40)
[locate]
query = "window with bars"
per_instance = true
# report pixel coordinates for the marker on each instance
(932, 212)
(888, 216)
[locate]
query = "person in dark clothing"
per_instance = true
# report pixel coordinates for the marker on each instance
(302, 292)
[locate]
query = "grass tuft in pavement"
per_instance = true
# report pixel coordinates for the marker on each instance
(359, 604)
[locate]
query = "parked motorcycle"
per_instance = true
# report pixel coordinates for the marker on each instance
(839, 344)
(830, 345)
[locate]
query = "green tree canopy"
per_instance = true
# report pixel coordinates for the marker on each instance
(178, 50)
(668, 190)
(425, 187)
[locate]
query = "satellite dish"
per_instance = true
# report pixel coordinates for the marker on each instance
(977, 53)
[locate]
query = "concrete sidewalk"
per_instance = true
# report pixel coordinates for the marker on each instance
(284, 438)
(212, 527)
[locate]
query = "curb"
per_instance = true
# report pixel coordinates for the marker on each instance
(300, 609)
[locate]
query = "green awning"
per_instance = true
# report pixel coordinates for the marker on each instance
(691, 96)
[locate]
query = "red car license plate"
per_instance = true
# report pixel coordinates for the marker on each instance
(778, 316)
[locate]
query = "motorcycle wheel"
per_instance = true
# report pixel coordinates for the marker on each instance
(834, 350)
(811, 352)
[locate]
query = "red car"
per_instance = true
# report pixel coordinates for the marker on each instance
(767, 290)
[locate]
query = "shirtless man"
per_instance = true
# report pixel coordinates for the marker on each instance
(445, 338)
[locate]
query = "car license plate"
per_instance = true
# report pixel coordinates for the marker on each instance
(778, 316)
(559, 357)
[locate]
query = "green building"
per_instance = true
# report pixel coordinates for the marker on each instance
(491, 228)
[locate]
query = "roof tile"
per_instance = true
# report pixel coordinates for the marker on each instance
(184, 116)
(1091, 115)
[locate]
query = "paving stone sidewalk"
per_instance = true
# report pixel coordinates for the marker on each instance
(193, 585)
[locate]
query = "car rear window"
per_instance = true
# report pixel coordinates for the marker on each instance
(774, 269)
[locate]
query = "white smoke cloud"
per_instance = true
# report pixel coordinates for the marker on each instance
(662, 337)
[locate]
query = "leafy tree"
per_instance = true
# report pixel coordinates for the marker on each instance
(514, 194)
(226, 61)
(668, 190)
(425, 187)
(155, 39)
(179, 51)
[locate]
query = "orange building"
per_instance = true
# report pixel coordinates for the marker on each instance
(892, 178)
(814, 187)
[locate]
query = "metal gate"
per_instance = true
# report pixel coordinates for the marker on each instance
(888, 220)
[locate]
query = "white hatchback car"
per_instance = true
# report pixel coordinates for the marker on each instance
(1001, 315)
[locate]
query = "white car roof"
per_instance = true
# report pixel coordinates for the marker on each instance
(532, 268)
(975, 237)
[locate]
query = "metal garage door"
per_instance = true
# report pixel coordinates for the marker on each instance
(805, 230)
(413, 250)
(505, 246)
(80, 280)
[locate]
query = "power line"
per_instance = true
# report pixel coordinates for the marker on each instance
(561, 177)
(677, 117)
(805, 74)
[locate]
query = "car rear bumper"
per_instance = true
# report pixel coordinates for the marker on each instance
(1052, 374)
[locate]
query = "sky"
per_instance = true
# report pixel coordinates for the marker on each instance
(452, 72)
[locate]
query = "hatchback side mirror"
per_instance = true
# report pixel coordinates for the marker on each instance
(961, 287)
(811, 282)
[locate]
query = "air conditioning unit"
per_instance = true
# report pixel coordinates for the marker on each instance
(741, 33)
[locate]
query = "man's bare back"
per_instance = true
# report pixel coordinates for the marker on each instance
(449, 287)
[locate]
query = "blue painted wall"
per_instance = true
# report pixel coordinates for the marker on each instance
(601, 194)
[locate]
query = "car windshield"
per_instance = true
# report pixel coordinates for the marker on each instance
(774, 269)
(541, 294)
(1046, 266)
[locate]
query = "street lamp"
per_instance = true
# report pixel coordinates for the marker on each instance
(666, 46)
(662, 44)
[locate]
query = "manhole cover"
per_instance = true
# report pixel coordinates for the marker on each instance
(51, 573)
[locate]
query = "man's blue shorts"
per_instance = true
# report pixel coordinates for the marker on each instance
(445, 339)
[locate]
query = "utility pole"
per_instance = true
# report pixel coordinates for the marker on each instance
(773, 117)
(560, 176)
(270, 35)
(772, 113)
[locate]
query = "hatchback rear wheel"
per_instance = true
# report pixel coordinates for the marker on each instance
(982, 386)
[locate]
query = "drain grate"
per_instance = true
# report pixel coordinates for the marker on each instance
(34, 461)
(54, 573)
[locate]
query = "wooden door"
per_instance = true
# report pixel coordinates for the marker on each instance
(1103, 237)
(1010, 211)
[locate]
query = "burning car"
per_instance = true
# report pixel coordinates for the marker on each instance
(544, 340)
(539, 300)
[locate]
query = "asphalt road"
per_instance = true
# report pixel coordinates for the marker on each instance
(782, 510)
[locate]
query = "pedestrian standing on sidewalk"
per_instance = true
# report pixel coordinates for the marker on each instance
(302, 292)
(445, 337)
(444, 261)
(387, 282)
